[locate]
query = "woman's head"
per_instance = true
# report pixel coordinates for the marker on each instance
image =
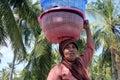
(68, 50)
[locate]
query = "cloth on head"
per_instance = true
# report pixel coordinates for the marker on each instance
(63, 44)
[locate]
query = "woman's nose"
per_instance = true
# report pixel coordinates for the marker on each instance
(71, 48)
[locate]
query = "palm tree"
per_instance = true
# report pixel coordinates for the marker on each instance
(39, 60)
(107, 31)
(11, 28)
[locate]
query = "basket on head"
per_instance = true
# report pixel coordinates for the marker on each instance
(61, 23)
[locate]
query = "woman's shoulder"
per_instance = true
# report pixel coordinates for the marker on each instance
(55, 73)
(57, 67)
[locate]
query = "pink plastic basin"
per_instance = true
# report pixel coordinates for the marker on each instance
(59, 24)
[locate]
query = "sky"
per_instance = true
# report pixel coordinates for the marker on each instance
(8, 55)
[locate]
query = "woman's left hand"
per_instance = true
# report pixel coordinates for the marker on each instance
(86, 24)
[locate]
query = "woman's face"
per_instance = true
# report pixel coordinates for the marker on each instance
(70, 52)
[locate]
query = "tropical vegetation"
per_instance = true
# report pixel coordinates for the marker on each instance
(19, 25)
(107, 35)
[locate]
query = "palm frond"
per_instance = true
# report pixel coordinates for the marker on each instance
(40, 60)
(2, 31)
(28, 14)
(106, 57)
(3, 35)
(81, 44)
(11, 28)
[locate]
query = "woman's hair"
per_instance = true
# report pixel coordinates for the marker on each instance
(75, 67)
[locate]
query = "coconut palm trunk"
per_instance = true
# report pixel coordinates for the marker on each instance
(118, 72)
(114, 76)
(12, 67)
(118, 65)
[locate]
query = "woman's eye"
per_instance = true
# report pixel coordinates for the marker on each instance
(70, 47)
(73, 46)
(67, 47)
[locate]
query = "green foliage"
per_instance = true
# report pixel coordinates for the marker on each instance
(10, 25)
(18, 21)
(4, 74)
(39, 62)
(105, 34)
(81, 45)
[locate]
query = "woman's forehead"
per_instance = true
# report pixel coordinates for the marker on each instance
(70, 44)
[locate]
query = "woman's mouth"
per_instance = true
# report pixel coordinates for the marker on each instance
(72, 54)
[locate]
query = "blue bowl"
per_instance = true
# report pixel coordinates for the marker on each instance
(78, 4)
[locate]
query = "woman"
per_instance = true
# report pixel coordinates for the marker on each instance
(73, 67)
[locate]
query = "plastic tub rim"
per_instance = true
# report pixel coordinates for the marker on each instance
(60, 8)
